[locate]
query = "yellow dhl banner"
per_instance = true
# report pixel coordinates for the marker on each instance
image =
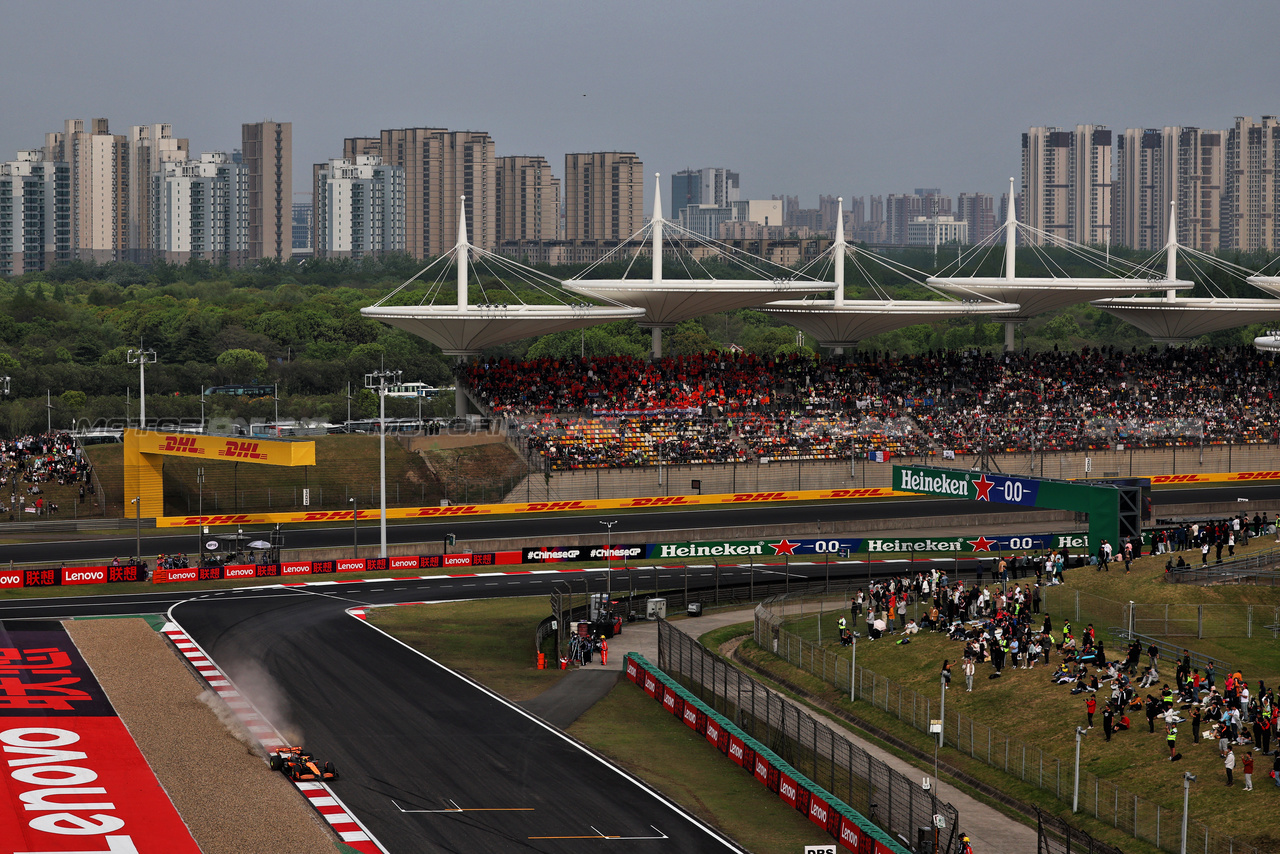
(532, 507)
(272, 452)
(1214, 477)
(627, 503)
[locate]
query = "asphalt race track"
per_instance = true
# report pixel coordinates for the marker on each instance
(415, 743)
(550, 527)
(429, 760)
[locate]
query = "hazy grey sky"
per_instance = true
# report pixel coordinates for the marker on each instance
(801, 98)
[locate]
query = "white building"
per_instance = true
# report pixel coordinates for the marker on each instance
(359, 207)
(35, 214)
(936, 231)
(200, 210)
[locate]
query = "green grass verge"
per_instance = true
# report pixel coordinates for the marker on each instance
(1026, 708)
(627, 726)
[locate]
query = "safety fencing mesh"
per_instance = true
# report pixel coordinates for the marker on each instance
(892, 801)
(1101, 798)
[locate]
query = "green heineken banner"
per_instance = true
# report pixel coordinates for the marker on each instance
(1100, 501)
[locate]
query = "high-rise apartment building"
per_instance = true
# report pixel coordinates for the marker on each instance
(200, 210)
(977, 210)
(359, 208)
(710, 186)
(528, 199)
(440, 167)
(150, 147)
(1067, 184)
(304, 217)
(267, 151)
(35, 214)
(98, 168)
(1146, 182)
(1201, 188)
(1252, 209)
(603, 195)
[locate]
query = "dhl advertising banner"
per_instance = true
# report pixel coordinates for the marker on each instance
(272, 452)
(466, 510)
(1214, 477)
(652, 502)
(73, 778)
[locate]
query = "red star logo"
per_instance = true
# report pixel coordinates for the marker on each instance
(984, 488)
(786, 547)
(982, 544)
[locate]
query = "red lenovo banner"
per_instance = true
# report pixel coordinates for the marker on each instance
(789, 791)
(850, 834)
(761, 769)
(820, 811)
(633, 670)
(73, 779)
(737, 750)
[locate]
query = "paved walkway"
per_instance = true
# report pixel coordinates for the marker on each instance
(989, 829)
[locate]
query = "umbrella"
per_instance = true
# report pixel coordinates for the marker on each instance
(259, 544)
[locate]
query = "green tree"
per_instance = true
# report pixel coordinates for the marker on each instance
(242, 366)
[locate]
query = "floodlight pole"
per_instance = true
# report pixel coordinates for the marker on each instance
(1187, 779)
(380, 380)
(200, 510)
(608, 558)
(1075, 789)
(355, 530)
(142, 358)
(137, 545)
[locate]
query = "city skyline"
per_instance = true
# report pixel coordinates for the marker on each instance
(578, 77)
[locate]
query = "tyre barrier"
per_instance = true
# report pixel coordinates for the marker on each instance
(851, 830)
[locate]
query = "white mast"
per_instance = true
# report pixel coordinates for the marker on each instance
(838, 250)
(460, 256)
(1171, 249)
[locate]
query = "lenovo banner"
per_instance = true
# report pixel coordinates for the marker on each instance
(73, 779)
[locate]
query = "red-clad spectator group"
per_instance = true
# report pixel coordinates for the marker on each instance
(723, 407)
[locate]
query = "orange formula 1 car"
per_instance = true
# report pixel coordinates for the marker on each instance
(297, 764)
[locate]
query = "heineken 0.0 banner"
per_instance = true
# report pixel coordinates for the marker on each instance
(850, 546)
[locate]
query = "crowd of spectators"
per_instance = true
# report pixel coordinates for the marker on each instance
(30, 462)
(932, 403)
(576, 443)
(1001, 628)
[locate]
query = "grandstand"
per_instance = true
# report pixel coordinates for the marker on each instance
(619, 412)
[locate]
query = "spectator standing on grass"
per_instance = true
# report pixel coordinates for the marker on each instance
(1195, 724)
(967, 668)
(1091, 706)
(1246, 765)
(1108, 720)
(1171, 738)
(1229, 762)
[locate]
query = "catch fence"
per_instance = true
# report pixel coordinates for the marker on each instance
(1098, 797)
(1166, 620)
(892, 801)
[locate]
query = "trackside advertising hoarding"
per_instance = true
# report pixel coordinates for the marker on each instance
(73, 778)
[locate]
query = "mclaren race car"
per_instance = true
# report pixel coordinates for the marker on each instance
(297, 764)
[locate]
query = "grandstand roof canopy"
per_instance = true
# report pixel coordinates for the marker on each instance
(846, 324)
(1182, 319)
(666, 302)
(1270, 284)
(839, 322)
(1038, 294)
(1268, 343)
(460, 328)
